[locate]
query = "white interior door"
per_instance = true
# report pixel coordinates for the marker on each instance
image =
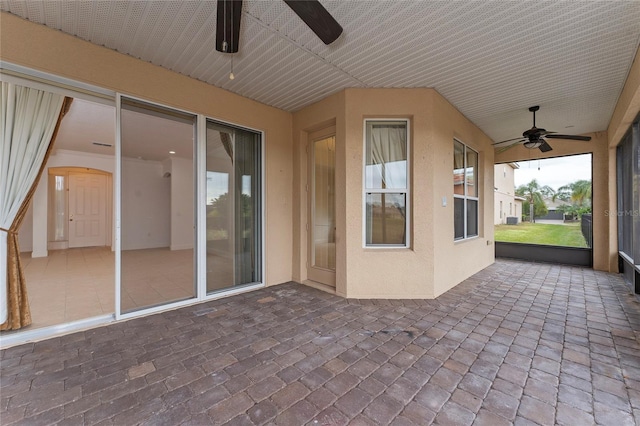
(87, 210)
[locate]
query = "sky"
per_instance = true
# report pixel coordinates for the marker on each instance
(554, 172)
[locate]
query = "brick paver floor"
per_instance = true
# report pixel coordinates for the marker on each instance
(516, 343)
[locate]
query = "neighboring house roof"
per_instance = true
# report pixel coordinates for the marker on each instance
(552, 205)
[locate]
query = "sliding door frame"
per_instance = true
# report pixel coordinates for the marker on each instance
(25, 76)
(202, 211)
(200, 188)
(53, 83)
(29, 77)
(118, 222)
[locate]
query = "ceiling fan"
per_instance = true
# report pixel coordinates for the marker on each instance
(310, 11)
(535, 137)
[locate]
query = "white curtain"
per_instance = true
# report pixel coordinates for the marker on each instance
(388, 151)
(29, 118)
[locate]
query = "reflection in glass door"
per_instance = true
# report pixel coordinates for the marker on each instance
(157, 189)
(233, 207)
(322, 265)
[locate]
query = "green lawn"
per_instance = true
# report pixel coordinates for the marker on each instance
(537, 233)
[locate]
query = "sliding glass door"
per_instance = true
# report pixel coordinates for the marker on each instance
(233, 207)
(157, 206)
(190, 215)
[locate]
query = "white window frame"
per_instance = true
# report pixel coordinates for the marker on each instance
(466, 197)
(405, 191)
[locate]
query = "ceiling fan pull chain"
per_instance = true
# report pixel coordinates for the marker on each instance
(231, 75)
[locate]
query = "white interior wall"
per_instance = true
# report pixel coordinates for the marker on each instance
(182, 203)
(146, 205)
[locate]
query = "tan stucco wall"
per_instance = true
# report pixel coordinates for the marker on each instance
(433, 263)
(456, 261)
(40, 48)
(390, 273)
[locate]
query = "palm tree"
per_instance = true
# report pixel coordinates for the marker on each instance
(535, 194)
(579, 193)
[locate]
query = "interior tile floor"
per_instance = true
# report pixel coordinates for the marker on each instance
(69, 285)
(74, 284)
(518, 343)
(151, 277)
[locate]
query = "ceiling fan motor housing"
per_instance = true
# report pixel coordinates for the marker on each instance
(534, 133)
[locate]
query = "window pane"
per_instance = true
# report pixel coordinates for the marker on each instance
(386, 155)
(157, 207)
(247, 216)
(624, 195)
(386, 219)
(458, 168)
(58, 232)
(324, 209)
(458, 217)
(233, 207)
(471, 172)
(472, 218)
(220, 208)
(465, 185)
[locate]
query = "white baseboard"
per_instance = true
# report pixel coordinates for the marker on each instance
(39, 253)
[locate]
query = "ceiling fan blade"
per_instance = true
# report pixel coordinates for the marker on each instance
(228, 25)
(509, 140)
(504, 148)
(317, 18)
(570, 137)
(545, 147)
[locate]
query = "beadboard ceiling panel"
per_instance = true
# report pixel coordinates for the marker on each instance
(491, 59)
